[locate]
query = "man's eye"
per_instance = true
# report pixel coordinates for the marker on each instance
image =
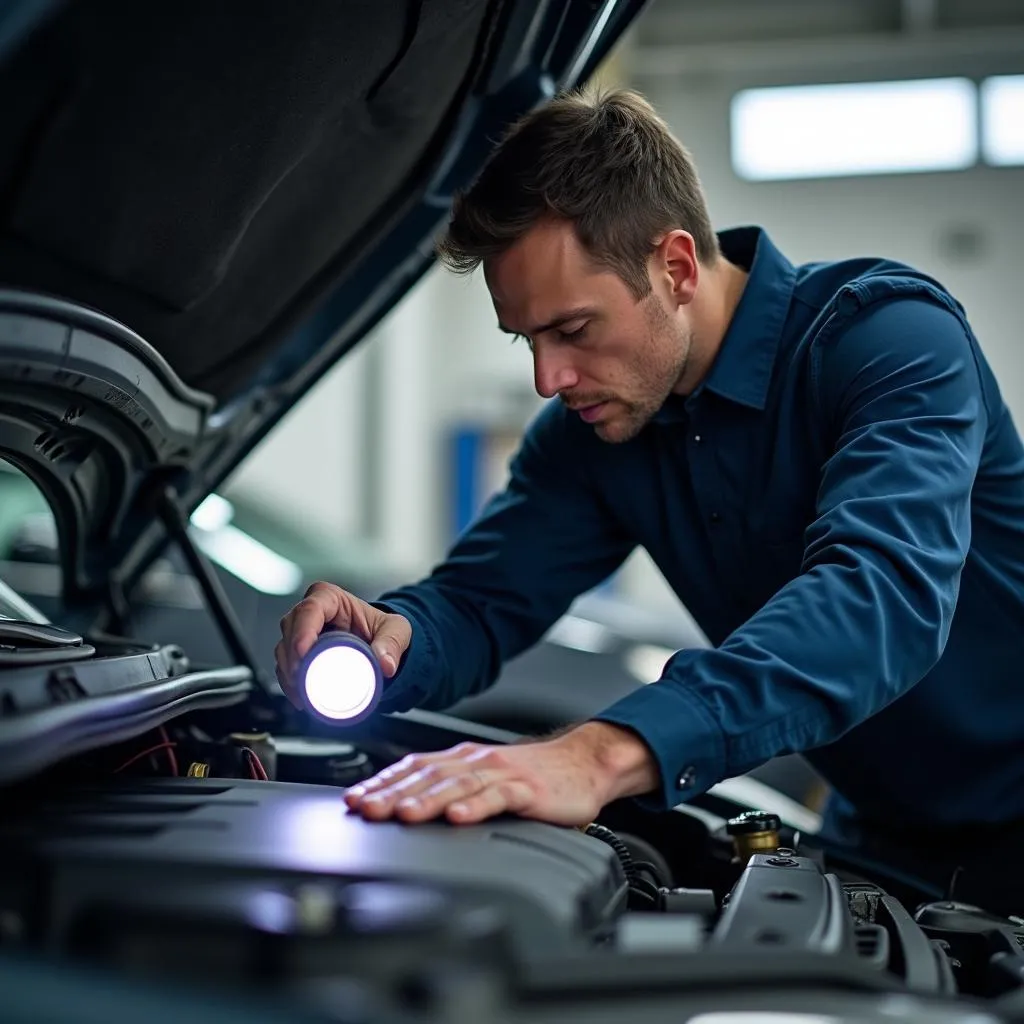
(573, 335)
(522, 337)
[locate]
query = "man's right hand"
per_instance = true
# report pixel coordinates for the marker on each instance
(327, 605)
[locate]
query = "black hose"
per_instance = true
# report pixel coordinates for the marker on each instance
(606, 835)
(642, 891)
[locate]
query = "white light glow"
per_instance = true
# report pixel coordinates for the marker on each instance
(646, 662)
(213, 513)
(316, 834)
(252, 562)
(271, 911)
(748, 792)
(340, 683)
(1002, 120)
(763, 1017)
(660, 933)
(579, 634)
(864, 128)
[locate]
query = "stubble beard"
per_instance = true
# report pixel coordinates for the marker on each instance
(660, 380)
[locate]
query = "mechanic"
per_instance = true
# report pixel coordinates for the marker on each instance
(818, 459)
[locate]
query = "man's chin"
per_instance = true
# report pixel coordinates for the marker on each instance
(619, 429)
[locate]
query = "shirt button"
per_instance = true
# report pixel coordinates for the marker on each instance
(715, 517)
(697, 439)
(687, 777)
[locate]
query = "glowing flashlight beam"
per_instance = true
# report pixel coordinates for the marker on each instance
(341, 678)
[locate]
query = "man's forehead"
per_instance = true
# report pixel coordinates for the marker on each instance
(545, 271)
(543, 250)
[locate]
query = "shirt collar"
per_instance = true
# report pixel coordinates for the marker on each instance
(742, 369)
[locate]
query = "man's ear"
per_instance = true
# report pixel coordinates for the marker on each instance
(676, 263)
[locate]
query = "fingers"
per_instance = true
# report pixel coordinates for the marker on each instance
(548, 780)
(507, 797)
(401, 770)
(304, 623)
(283, 677)
(383, 779)
(426, 795)
(327, 605)
(392, 635)
(424, 786)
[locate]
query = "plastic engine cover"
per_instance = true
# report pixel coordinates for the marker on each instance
(205, 850)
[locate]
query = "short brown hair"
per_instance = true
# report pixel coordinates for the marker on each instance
(605, 162)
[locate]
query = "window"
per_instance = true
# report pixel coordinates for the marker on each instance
(864, 128)
(1002, 118)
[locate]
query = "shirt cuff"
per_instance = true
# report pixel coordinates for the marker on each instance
(410, 686)
(681, 733)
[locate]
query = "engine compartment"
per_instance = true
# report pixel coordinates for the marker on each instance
(229, 863)
(239, 857)
(171, 832)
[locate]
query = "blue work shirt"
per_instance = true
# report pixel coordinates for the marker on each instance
(840, 505)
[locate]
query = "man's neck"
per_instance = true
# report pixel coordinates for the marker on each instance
(712, 310)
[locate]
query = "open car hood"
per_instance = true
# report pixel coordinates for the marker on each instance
(206, 205)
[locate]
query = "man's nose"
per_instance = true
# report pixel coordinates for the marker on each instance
(553, 372)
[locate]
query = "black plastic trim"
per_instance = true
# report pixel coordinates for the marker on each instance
(28, 689)
(921, 970)
(785, 902)
(23, 656)
(73, 315)
(33, 742)
(91, 414)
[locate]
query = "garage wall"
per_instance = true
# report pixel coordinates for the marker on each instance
(308, 470)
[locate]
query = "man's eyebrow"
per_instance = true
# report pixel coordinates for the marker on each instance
(563, 318)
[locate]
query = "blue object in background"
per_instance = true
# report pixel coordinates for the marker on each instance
(472, 485)
(467, 452)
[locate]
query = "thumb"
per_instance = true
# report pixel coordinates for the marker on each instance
(391, 640)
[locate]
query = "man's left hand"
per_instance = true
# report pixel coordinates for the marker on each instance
(564, 781)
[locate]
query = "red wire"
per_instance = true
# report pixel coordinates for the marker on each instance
(256, 770)
(142, 754)
(172, 758)
(256, 765)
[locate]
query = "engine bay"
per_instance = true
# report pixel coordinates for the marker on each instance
(173, 832)
(228, 862)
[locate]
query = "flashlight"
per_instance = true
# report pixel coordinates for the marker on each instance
(340, 678)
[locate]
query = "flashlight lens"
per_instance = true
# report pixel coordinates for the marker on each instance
(340, 683)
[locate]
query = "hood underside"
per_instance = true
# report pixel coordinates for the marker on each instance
(247, 188)
(192, 170)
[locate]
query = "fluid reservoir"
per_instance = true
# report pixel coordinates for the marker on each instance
(753, 832)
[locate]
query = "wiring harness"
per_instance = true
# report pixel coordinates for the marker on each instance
(643, 877)
(203, 758)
